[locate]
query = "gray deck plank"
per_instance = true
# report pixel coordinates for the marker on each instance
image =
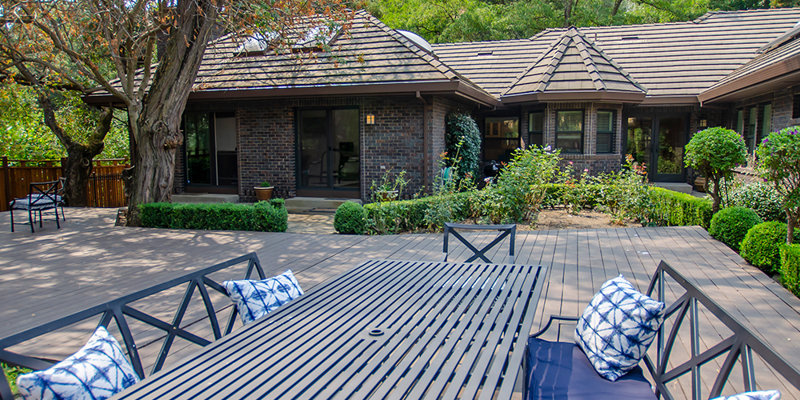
(97, 262)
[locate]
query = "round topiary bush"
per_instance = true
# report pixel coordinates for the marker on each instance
(714, 153)
(350, 218)
(730, 225)
(761, 246)
(761, 198)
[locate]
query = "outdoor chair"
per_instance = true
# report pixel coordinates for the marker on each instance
(509, 231)
(561, 368)
(42, 196)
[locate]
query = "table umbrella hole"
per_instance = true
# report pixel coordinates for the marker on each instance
(376, 332)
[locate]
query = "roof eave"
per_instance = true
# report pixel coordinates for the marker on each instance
(575, 95)
(734, 88)
(454, 87)
(670, 100)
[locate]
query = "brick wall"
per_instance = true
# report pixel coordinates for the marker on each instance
(267, 143)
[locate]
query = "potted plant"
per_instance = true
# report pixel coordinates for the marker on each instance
(264, 191)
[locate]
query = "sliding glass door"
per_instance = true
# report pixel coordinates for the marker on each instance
(329, 152)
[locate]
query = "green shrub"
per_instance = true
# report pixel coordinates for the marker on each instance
(669, 208)
(779, 164)
(417, 214)
(463, 142)
(760, 247)
(761, 198)
(731, 224)
(715, 152)
(790, 267)
(263, 216)
(11, 373)
(350, 218)
(518, 194)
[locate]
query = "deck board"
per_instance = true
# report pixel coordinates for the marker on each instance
(88, 261)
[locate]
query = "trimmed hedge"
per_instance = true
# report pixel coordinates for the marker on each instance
(760, 247)
(350, 218)
(410, 215)
(670, 208)
(730, 225)
(262, 216)
(790, 267)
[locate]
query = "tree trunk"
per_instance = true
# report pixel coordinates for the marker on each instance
(155, 121)
(714, 194)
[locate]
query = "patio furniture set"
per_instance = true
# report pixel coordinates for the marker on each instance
(405, 329)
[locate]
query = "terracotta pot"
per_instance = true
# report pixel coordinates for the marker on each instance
(700, 184)
(263, 193)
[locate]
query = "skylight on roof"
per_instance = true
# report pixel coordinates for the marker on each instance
(417, 40)
(257, 44)
(316, 37)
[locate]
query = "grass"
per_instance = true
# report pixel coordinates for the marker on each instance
(12, 373)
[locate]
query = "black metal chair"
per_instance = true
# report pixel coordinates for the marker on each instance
(509, 231)
(42, 196)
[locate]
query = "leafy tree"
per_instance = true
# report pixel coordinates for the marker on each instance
(714, 152)
(470, 20)
(155, 48)
(779, 163)
(25, 136)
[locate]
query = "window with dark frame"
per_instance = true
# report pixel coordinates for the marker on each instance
(754, 123)
(569, 131)
(500, 138)
(606, 123)
(536, 128)
(796, 106)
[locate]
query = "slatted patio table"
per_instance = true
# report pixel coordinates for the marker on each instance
(386, 329)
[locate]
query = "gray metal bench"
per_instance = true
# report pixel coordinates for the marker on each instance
(122, 310)
(739, 346)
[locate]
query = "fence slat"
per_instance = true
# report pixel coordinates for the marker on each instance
(105, 186)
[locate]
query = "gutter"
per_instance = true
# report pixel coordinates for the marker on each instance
(425, 137)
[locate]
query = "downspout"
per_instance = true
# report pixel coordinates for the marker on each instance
(425, 139)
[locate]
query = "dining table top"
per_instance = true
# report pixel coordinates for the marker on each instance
(384, 329)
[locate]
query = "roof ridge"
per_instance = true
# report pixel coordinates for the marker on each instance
(583, 46)
(448, 71)
(532, 65)
(438, 65)
(611, 61)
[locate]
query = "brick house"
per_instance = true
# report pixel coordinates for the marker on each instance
(328, 122)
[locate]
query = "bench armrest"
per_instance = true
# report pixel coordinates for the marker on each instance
(550, 322)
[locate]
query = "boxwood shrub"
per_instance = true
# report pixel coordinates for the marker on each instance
(410, 215)
(761, 246)
(350, 218)
(731, 224)
(671, 208)
(263, 216)
(790, 267)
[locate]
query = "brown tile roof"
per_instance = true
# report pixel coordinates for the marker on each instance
(368, 58)
(774, 64)
(369, 53)
(670, 60)
(571, 65)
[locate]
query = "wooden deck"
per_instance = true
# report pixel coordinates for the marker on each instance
(88, 261)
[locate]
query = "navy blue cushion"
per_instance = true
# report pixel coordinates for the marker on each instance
(561, 371)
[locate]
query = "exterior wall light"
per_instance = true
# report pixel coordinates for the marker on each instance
(370, 119)
(703, 123)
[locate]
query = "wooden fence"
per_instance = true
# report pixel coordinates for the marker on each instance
(105, 188)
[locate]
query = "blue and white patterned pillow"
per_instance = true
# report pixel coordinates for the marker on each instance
(256, 299)
(760, 395)
(617, 328)
(98, 370)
